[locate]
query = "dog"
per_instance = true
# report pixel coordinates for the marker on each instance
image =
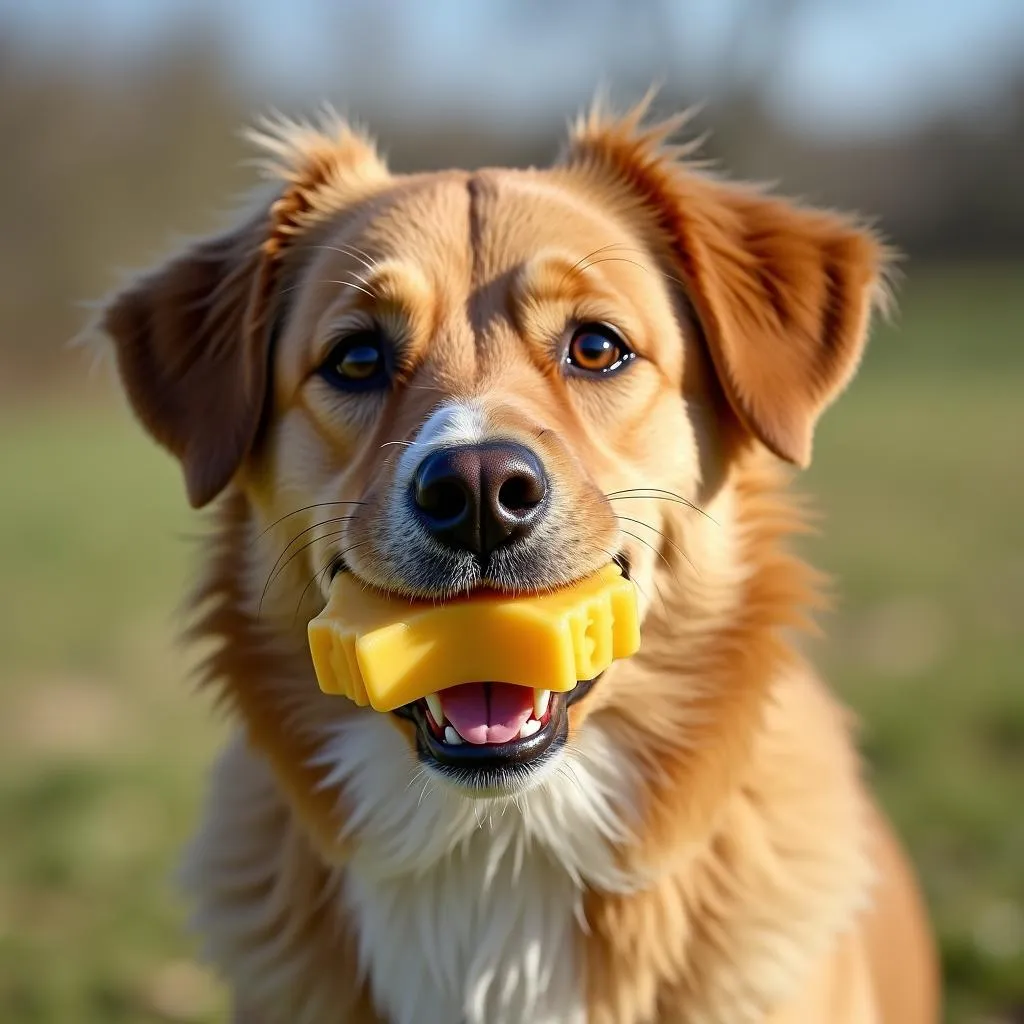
(505, 380)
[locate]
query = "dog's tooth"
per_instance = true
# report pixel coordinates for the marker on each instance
(451, 736)
(530, 726)
(540, 702)
(434, 703)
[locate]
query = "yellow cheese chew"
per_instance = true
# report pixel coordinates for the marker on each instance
(386, 651)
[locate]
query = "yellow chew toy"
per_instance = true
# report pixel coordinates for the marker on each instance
(386, 651)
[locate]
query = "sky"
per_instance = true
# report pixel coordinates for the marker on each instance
(847, 66)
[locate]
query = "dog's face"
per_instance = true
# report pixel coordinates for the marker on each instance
(498, 380)
(474, 387)
(483, 365)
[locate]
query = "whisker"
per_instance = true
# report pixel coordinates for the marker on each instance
(632, 248)
(663, 536)
(613, 259)
(320, 572)
(271, 577)
(416, 776)
(305, 590)
(648, 544)
(306, 508)
(603, 248)
(347, 284)
(295, 554)
(642, 492)
(362, 280)
(647, 597)
(567, 773)
(351, 284)
(652, 497)
(408, 444)
(643, 592)
(347, 250)
(423, 792)
(658, 494)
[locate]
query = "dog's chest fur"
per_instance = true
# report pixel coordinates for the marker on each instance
(476, 938)
(471, 910)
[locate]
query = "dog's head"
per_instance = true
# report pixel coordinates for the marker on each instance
(501, 379)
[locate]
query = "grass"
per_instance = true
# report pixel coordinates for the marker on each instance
(102, 747)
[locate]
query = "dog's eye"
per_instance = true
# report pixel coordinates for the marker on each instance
(598, 348)
(357, 362)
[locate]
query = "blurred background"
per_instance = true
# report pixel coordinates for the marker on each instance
(119, 132)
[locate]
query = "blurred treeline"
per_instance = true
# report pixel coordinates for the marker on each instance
(102, 161)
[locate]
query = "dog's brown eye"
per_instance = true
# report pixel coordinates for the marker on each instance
(598, 348)
(360, 362)
(357, 363)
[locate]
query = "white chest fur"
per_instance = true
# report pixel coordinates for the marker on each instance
(469, 910)
(477, 938)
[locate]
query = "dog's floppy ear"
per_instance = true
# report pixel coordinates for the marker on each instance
(783, 293)
(192, 338)
(192, 352)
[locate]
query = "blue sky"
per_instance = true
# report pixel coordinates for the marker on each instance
(850, 65)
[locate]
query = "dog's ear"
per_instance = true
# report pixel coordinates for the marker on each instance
(783, 293)
(192, 351)
(192, 338)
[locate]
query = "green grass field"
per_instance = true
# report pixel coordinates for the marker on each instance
(920, 480)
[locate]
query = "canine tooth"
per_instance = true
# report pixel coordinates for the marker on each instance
(451, 736)
(529, 727)
(540, 702)
(434, 703)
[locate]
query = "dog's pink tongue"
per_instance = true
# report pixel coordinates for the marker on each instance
(487, 712)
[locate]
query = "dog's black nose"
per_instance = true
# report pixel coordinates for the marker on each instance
(477, 497)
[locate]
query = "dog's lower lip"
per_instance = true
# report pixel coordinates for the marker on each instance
(486, 763)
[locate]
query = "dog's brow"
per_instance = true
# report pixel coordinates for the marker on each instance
(394, 293)
(556, 280)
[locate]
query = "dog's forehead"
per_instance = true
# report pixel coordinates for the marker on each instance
(470, 228)
(422, 219)
(518, 215)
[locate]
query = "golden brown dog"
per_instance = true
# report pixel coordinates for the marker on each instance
(505, 379)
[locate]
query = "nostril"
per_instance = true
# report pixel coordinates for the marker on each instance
(446, 492)
(520, 493)
(442, 499)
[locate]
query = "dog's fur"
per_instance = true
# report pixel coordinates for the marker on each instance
(704, 850)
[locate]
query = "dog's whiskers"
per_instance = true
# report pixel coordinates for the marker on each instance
(668, 540)
(347, 250)
(648, 544)
(273, 572)
(417, 775)
(298, 551)
(612, 259)
(636, 583)
(346, 284)
(656, 494)
(575, 268)
(423, 791)
(321, 572)
(305, 508)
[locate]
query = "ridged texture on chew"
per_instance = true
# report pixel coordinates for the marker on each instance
(386, 651)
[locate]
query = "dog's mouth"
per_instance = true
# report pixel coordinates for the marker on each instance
(485, 734)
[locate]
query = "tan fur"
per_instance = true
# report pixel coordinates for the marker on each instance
(763, 884)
